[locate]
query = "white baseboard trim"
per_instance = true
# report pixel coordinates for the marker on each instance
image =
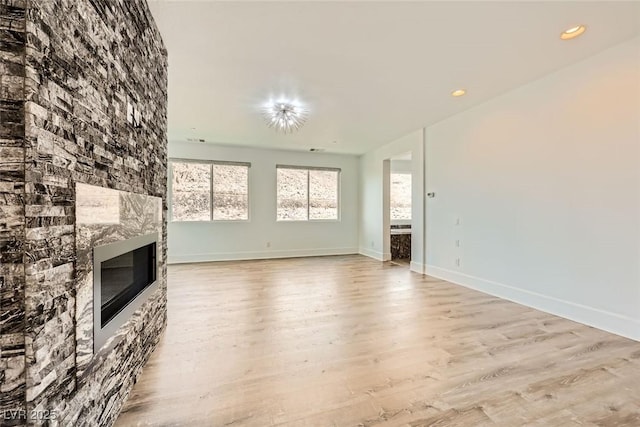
(271, 254)
(370, 253)
(601, 319)
(380, 256)
(416, 267)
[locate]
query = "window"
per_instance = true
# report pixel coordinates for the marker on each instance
(230, 192)
(205, 191)
(306, 193)
(400, 195)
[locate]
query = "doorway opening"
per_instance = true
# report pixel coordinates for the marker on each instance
(399, 209)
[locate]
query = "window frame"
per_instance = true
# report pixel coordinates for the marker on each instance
(308, 169)
(211, 163)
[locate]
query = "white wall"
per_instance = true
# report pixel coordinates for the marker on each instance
(210, 241)
(546, 182)
(401, 166)
(372, 231)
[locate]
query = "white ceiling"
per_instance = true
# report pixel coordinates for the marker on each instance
(368, 72)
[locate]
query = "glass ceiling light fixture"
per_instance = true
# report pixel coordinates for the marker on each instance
(285, 116)
(573, 32)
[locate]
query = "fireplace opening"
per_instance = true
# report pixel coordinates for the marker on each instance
(123, 278)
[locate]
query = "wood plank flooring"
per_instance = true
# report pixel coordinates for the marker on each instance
(350, 341)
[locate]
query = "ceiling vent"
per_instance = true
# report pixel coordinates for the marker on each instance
(195, 140)
(316, 150)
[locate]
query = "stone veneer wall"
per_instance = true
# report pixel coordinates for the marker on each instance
(85, 60)
(401, 246)
(12, 220)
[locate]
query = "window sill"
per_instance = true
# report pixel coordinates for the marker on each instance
(209, 221)
(306, 220)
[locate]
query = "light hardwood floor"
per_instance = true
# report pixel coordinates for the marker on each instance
(349, 341)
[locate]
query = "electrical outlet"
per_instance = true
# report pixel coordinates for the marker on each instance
(372, 244)
(457, 262)
(457, 221)
(268, 244)
(458, 243)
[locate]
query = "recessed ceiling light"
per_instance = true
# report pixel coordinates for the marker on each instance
(458, 92)
(573, 32)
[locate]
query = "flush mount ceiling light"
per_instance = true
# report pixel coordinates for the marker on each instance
(573, 32)
(458, 92)
(285, 116)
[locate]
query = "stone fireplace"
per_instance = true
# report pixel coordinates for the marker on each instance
(118, 235)
(78, 177)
